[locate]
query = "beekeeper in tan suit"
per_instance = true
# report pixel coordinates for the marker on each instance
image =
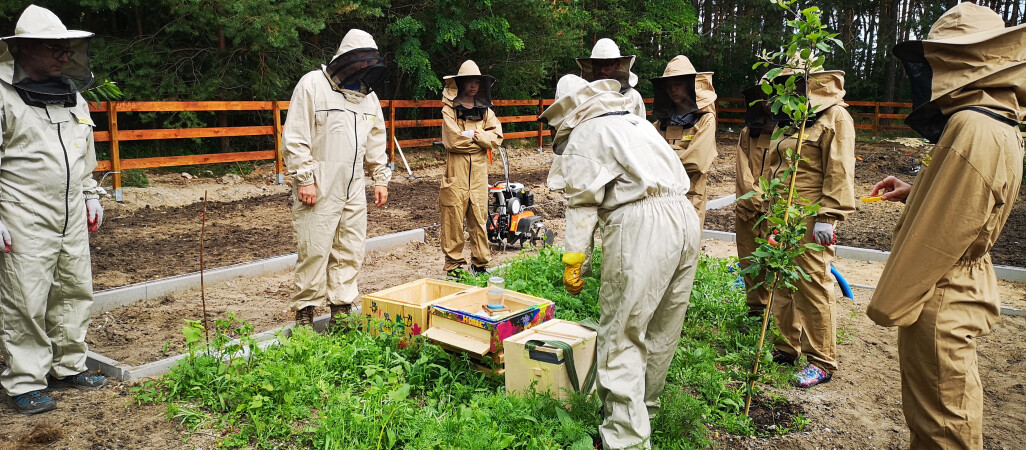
(606, 63)
(48, 203)
(753, 161)
(619, 176)
(806, 317)
(470, 131)
(333, 133)
(940, 289)
(685, 109)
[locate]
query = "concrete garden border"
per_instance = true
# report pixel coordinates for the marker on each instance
(127, 295)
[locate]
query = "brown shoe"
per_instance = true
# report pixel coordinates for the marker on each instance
(305, 316)
(336, 311)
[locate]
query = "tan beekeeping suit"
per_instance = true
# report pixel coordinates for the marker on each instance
(331, 136)
(46, 164)
(806, 317)
(939, 285)
(620, 176)
(695, 143)
(752, 152)
(464, 189)
(606, 49)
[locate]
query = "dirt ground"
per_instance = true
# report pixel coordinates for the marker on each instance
(155, 233)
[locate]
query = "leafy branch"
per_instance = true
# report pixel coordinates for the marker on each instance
(786, 85)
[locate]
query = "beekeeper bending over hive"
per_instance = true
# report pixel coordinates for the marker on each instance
(621, 177)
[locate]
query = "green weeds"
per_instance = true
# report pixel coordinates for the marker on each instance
(355, 390)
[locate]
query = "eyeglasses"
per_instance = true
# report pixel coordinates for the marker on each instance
(60, 52)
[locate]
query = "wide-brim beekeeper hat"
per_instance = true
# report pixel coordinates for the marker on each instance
(578, 100)
(968, 45)
(606, 49)
(701, 94)
(469, 69)
(357, 62)
(42, 24)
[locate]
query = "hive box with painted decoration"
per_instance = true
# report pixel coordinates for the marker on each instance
(404, 309)
(547, 365)
(459, 321)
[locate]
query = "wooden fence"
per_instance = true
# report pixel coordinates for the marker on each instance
(729, 110)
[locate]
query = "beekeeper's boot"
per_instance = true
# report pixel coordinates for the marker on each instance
(305, 317)
(339, 315)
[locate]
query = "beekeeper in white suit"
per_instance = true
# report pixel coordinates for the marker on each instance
(620, 176)
(335, 131)
(48, 202)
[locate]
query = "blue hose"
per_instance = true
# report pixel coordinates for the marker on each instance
(845, 288)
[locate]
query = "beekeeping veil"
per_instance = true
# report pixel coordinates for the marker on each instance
(40, 26)
(699, 98)
(357, 65)
(969, 59)
(578, 100)
(606, 49)
(757, 112)
(454, 88)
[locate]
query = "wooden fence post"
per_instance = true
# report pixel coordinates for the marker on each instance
(541, 128)
(876, 120)
(115, 150)
(391, 133)
(279, 164)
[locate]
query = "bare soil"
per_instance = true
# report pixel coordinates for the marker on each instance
(155, 233)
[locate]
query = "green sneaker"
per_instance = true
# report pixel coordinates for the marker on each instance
(34, 402)
(84, 381)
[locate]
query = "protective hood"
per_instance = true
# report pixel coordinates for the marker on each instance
(357, 65)
(17, 64)
(969, 59)
(700, 97)
(606, 49)
(577, 100)
(454, 88)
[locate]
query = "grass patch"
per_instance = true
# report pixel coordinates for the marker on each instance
(355, 390)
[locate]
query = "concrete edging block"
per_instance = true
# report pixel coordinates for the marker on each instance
(127, 295)
(123, 296)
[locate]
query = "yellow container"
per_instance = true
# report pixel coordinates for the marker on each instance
(404, 309)
(546, 365)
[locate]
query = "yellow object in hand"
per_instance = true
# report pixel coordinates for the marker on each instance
(871, 199)
(572, 272)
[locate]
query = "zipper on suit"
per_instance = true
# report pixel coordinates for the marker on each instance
(356, 152)
(67, 176)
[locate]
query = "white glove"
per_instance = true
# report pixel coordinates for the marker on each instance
(94, 213)
(824, 233)
(5, 236)
(469, 134)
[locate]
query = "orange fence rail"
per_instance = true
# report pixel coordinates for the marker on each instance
(729, 110)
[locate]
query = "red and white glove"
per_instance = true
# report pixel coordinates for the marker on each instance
(824, 233)
(94, 213)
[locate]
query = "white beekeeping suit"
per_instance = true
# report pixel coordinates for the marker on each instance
(620, 176)
(334, 131)
(48, 200)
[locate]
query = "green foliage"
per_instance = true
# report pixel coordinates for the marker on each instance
(354, 390)
(134, 178)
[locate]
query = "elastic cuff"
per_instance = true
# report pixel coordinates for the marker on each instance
(826, 220)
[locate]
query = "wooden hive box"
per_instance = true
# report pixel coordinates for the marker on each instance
(460, 322)
(547, 365)
(404, 309)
